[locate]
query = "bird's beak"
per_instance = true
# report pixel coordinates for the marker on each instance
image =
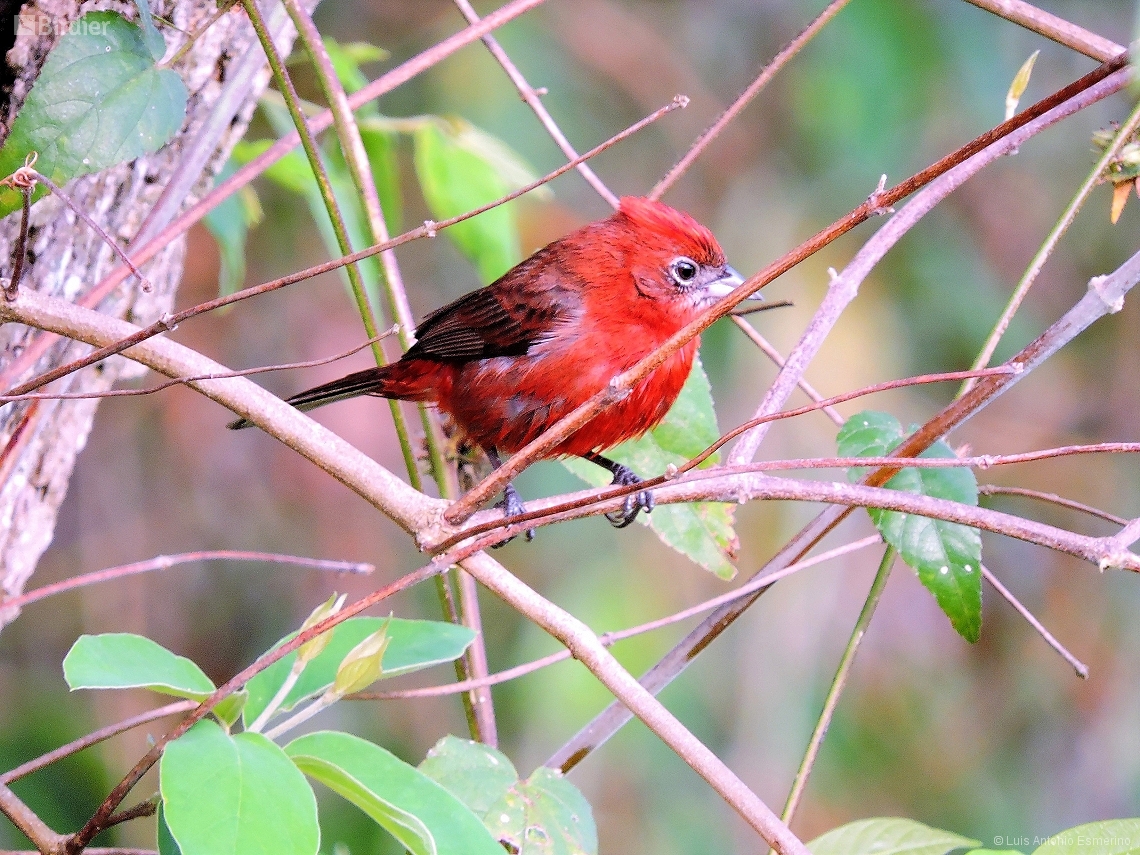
(726, 284)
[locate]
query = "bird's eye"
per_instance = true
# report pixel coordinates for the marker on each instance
(684, 270)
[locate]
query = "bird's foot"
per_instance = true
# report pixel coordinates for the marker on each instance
(512, 507)
(634, 502)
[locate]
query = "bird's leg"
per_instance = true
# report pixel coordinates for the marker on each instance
(623, 477)
(511, 504)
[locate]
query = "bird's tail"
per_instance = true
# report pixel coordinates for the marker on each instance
(408, 380)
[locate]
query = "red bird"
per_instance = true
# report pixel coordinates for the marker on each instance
(509, 360)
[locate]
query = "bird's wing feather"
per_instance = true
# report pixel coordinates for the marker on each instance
(504, 319)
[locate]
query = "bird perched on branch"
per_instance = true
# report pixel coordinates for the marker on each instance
(509, 360)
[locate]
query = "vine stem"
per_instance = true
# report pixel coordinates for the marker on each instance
(838, 682)
(478, 706)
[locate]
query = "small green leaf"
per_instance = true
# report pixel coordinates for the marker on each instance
(946, 556)
(362, 666)
(228, 709)
(123, 660)
(421, 814)
(99, 100)
(1017, 87)
(154, 41)
(887, 836)
(457, 177)
(701, 530)
(1107, 837)
(310, 650)
(413, 644)
(544, 814)
(232, 795)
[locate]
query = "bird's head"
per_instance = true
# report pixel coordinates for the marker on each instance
(675, 259)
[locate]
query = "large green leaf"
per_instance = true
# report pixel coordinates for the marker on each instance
(412, 645)
(99, 100)
(1108, 837)
(421, 814)
(543, 815)
(947, 556)
(233, 795)
(701, 530)
(461, 168)
(122, 660)
(887, 836)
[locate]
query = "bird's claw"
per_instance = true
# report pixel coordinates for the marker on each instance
(634, 502)
(512, 507)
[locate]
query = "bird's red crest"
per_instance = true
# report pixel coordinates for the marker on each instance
(676, 227)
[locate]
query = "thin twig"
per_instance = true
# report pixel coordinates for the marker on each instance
(20, 250)
(766, 74)
(613, 637)
(47, 841)
(94, 226)
(1053, 498)
(531, 97)
(1052, 27)
(163, 562)
(838, 682)
(147, 808)
(94, 738)
(182, 381)
(1080, 667)
(774, 355)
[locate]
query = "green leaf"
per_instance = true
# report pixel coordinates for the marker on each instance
(947, 556)
(412, 645)
(153, 40)
(421, 814)
(457, 176)
(701, 530)
(229, 223)
(544, 814)
(476, 774)
(167, 845)
(347, 59)
(231, 795)
(1108, 837)
(887, 836)
(123, 660)
(99, 100)
(292, 172)
(381, 145)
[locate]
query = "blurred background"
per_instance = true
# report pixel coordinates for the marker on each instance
(994, 739)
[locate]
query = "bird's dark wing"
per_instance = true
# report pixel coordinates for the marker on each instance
(503, 319)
